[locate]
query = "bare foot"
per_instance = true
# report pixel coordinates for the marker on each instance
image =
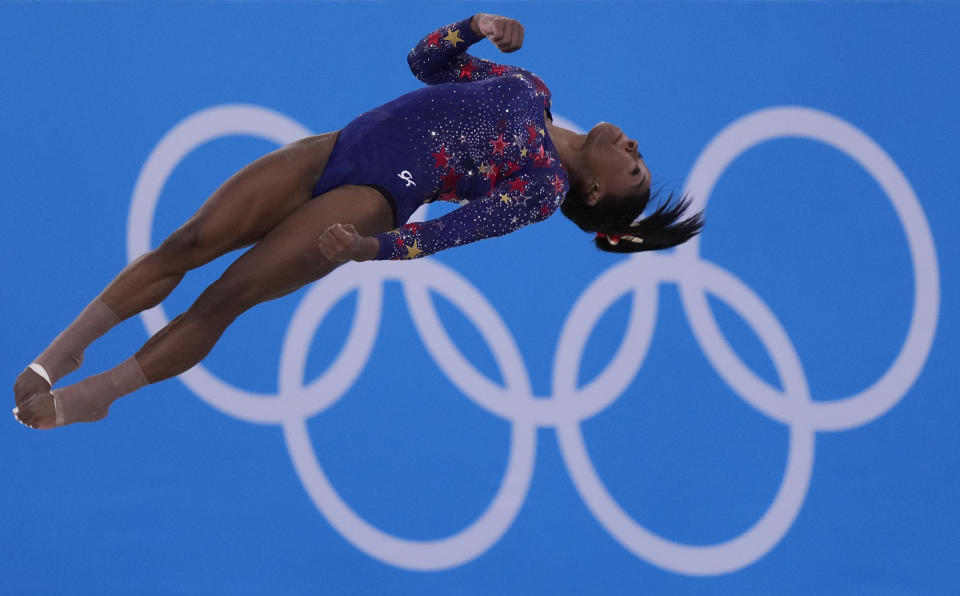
(37, 411)
(27, 384)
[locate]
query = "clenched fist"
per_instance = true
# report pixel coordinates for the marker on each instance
(341, 242)
(504, 32)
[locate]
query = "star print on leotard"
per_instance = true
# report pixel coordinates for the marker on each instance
(475, 136)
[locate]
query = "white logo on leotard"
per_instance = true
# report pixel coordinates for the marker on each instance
(406, 175)
(789, 401)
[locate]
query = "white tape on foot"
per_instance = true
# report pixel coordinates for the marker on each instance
(58, 411)
(40, 371)
(16, 414)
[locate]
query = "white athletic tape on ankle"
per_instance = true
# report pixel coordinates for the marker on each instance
(40, 371)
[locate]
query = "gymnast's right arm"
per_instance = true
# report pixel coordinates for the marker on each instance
(510, 205)
(441, 56)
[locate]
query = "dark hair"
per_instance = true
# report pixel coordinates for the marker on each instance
(614, 216)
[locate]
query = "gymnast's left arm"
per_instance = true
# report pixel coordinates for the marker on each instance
(441, 56)
(504, 32)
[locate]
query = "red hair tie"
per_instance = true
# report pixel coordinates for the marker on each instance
(613, 239)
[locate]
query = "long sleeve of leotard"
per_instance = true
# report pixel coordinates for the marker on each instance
(510, 205)
(441, 57)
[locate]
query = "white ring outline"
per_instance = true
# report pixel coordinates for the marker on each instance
(569, 404)
(425, 555)
(802, 122)
(770, 528)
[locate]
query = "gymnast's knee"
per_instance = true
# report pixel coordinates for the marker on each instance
(225, 300)
(182, 249)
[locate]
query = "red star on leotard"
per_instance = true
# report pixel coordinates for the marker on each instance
(557, 183)
(541, 158)
(511, 167)
(433, 39)
(546, 209)
(532, 133)
(518, 185)
(540, 86)
(466, 71)
(442, 158)
(449, 196)
(498, 145)
(412, 227)
(498, 69)
(450, 179)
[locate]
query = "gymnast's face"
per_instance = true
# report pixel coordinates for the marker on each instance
(614, 166)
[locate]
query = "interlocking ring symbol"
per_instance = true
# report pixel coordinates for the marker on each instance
(568, 404)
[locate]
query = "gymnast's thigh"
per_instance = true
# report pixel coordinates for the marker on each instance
(289, 256)
(261, 195)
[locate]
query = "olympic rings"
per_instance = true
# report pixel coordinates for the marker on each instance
(568, 405)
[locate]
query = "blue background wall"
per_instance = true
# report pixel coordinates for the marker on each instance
(176, 493)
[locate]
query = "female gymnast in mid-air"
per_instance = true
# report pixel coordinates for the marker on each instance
(480, 134)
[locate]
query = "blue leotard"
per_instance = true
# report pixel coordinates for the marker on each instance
(475, 135)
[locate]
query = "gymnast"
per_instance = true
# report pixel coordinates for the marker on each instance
(479, 134)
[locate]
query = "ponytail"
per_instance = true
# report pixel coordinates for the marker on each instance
(661, 229)
(614, 220)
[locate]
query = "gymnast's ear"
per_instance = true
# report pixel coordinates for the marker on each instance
(593, 195)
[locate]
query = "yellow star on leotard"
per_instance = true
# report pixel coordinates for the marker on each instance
(483, 168)
(453, 36)
(504, 198)
(540, 130)
(523, 152)
(412, 251)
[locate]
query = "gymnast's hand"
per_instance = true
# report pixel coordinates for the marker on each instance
(341, 242)
(505, 32)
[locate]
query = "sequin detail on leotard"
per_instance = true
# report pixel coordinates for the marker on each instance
(475, 135)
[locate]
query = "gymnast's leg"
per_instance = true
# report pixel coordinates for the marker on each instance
(285, 260)
(237, 214)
